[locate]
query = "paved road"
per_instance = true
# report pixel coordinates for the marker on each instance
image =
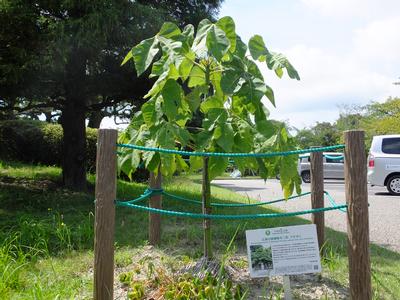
(384, 209)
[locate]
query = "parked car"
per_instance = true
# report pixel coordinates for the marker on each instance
(384, 162)
(333, 163)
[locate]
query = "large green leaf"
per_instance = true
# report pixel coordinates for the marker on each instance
(216, 166)
(196, 163)
(270, 94)
(241, 47)
(181, 165)
(159, 67)
(168, 165)
(199, 43)
(217, 42)
(128, 163)
(233, 75)
(253, 89)
(127, 57)
(257, 48)
(228, 26)
(173, 49)
(224, 136)
(214, 117)
(202, 140)
(172, 95)
(211, 102)
(262, 170)
(149, 112)
(186, 65)
(265, 128)
(188, 33)
(194, 97)
(181, 134)
(144, 53)
(231, 81)
(197, 77)
(278, 62)
(169, 30)
(253, 69)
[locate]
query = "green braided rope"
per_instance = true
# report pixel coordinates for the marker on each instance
(333, 202)
(234, 204)
(334, 157)
(226, 217)
(142, 197)
(150, 192)
(326, 156)
(269, 154)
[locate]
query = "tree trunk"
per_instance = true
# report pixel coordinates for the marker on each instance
(73, 116)
(95, 118)
(74, 147)
(206, 201)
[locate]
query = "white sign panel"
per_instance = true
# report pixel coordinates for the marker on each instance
(286, 250)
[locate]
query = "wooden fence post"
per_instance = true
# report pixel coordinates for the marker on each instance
(317, 194)
(206, 206)
(155, 202)
(106, 171)
(355, 173)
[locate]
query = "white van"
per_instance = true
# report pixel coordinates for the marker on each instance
(384, 162)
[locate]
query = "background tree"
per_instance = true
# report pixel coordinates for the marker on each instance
(321, 134)
(68, 58)
(381, 118)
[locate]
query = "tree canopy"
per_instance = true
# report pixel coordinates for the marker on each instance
(63, 58)
(208, 73)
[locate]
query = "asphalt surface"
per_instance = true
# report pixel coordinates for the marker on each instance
(384, 209)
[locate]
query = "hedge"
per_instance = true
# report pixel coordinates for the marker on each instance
(39, 142)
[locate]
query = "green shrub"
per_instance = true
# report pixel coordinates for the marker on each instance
(39, 142)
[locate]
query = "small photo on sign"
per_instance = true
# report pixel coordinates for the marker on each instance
(261, 257)
(286, 250)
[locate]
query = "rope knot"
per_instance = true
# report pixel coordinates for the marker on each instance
(152, 191)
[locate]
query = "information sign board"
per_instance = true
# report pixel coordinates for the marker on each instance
(286, 250)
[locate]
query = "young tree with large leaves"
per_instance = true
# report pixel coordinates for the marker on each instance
(212, 73)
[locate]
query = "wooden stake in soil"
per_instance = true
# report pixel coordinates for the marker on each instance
(206, 205)
(317, 194)
(106, 170)
(286, 288)
(355, 173)
(155, 202)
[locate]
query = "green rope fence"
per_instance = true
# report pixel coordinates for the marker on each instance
(150, 192)
(226, 217)
(234, 204)
(221, 154)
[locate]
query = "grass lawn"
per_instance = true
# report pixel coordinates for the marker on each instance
(46, 235)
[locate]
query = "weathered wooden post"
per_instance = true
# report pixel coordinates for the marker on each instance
(206, 201)
(155, 202)
(106, 177)
(317, 194)
(355, 173)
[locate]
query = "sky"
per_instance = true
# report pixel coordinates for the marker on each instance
(346, 52)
